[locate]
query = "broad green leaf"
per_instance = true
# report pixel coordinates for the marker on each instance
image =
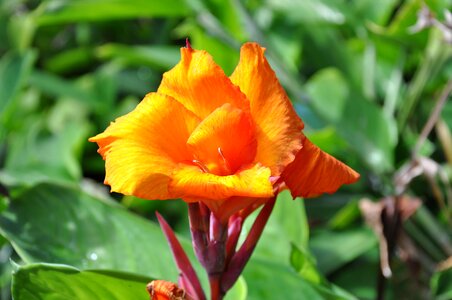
(304, 263)
(290, 215)
(49, 281)
(89, 233)
(224, 55)
(287, 225)
(96, 92)
(59, 87)
(345, 216)
(372, 11)
(328, 140)
(71, 60)
(162, 57)
(66, 11)
(289, 50)
(324, 208)
(348, 245)
(328, 90)
(239, 290)
(58, 224)
(371, 132)
(314, 12)
(227, 13)
(268, 280)
(361, 123)
(21, 30)
(14, 69)
(36, 156)
(62, 282)
(360, 275)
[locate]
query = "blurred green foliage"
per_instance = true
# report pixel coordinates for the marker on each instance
(364, 83)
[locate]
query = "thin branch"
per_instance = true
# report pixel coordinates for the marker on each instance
(433, 119)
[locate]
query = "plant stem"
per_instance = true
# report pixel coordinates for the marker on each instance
(241, 257)
(215, 290)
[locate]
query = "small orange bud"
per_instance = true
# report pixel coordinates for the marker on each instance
(165, 290)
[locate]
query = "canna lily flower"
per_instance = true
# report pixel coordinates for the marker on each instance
(228, 142)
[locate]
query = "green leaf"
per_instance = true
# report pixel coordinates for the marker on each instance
(239, 290)
(371, 132)
(314, 12)
(223, 54)
(162, 57)
(441, 285)
(373, 11)
(328, 90)
(59, 87)
(96, 92)
(84, 232)
(324, 208)
(435, 59)
(268, 280)
(287, 225)
(360, 275)
(361, 123)
(61, 282)
(304, 263)
(348, 245)
(291, 217)
(67, 11)
(446, 114)
(14, 69)
(328, 140)
(36, 156)
(70, 60)
(345, 216)
(21, 30)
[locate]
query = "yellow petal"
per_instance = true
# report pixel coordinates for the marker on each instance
(144, 147)
(224, 141)
(314, 172)
(278, 126)
(200, 84)
(191, 182)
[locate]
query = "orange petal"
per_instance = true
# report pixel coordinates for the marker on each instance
(200, 84)
(314, 172)
(144, 147)
(278, 125)
(224, 141)
(191, 182)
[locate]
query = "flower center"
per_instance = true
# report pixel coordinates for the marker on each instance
(219, 166)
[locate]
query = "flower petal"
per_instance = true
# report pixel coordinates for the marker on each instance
(200, 84)
(144, 147)
(314, 172)
(278, 125)
(224, 141)
(191, 182)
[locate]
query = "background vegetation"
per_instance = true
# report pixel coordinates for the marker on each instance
(364, 79)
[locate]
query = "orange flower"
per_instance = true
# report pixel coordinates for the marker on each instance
(165, 290)
(225, 141)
